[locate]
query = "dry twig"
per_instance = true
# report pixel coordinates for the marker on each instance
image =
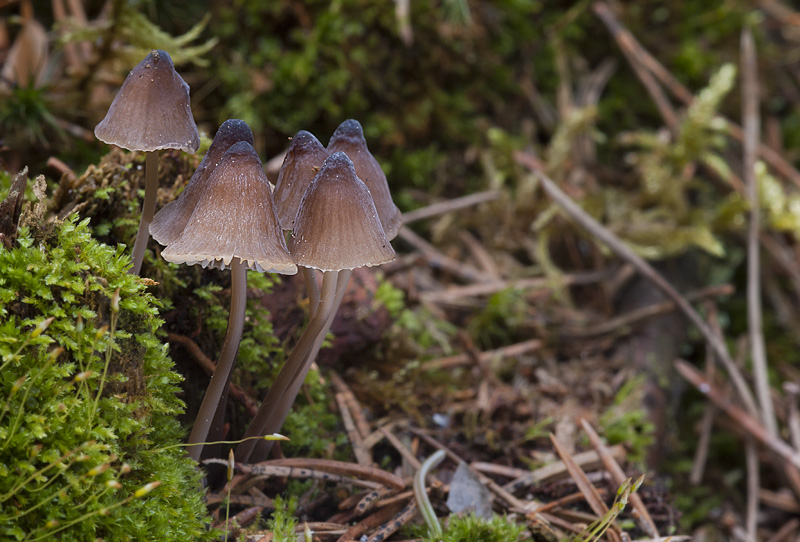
(458, 360)
(438, 260)
(751, 122)
(450, 205)
(376, 519)
(352, 404)
(356, 442)
(455, 293)
(634, 316)
(401, 448)
(395, 523)
(642, 515)
(328, 466)
(589, 491)
(753, 483)
(748, 423)
(586, 460)
(707, 422)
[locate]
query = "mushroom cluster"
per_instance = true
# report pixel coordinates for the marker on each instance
(337, 228)
(231, 224)
(334, 201)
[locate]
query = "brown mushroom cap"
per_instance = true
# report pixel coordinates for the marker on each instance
(170, 221)
(337, 226)
(234, 218)
(349, 138)
(151, 111)
(302, 163)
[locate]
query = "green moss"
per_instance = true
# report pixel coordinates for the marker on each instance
(504, 313)
(75, 322)
(27, 118)
(627, 422)
(416, 326)
(470, 528)
(671, 213)
(282, 524)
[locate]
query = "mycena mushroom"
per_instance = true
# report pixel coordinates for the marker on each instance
(149, 113)
(349, 139)
(168, 223)
(302, 163)
(337, 229)
(232, 226)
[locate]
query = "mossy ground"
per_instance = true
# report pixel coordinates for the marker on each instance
(89, 399)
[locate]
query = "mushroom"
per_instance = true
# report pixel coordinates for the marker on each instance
(233, 225)
(168, 223)
(349, 138)
(302, 163)
(337, 229)
(149, 113)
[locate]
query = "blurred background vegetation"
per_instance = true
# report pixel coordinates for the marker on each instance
(427, 84)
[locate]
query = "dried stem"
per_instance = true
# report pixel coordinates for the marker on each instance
(751, 457)
(750, 122)
(448, 206)
(748, 423)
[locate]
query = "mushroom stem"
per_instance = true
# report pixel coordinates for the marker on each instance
(312, 288)
(281, 412)
(148, 210)
(275, 408)
(222, 372)
(341, 287)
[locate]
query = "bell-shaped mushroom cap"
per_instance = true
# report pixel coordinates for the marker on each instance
(169, 222)
(151, 111)
(234, 218)
(349, 138)
(302, 163)
(337, 226)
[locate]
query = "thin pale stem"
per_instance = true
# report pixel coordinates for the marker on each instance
(273, 411)
(222, 372)
(312, 288)
(281, 412)
(751, 122)
(341, 288)
(148, 210)
(211, 445)
(343, 277)
(421, 495)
